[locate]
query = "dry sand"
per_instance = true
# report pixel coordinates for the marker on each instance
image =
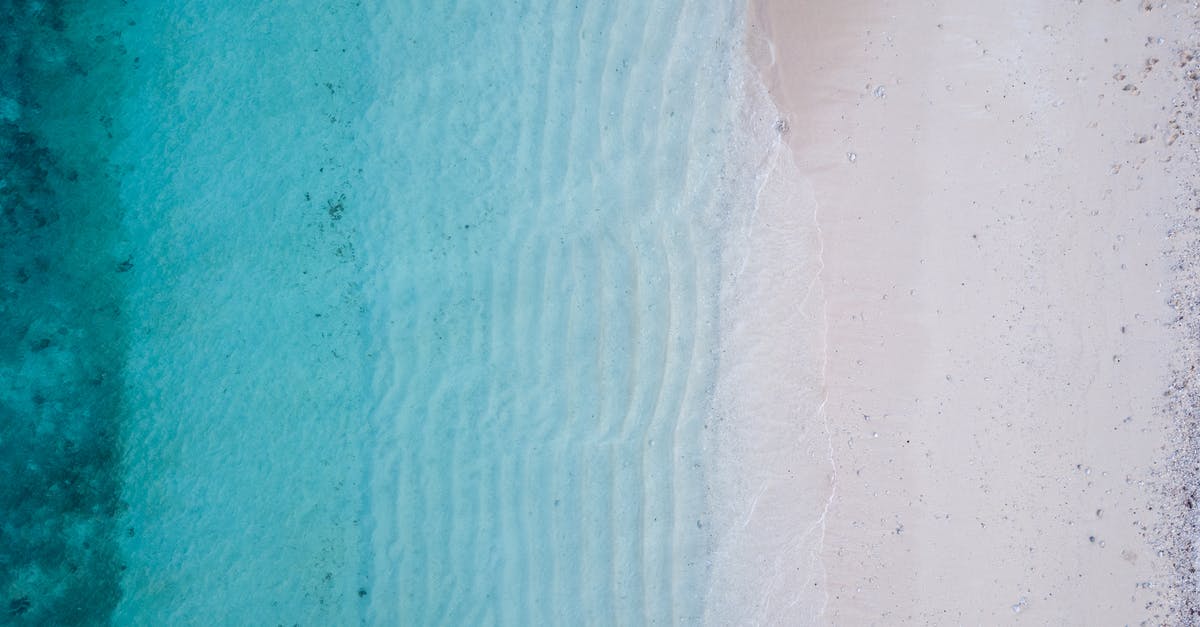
(995, 183)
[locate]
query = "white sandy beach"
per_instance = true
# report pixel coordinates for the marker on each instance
(994, 184)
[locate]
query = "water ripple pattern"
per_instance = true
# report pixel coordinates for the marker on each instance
(389, 312)
(550, 178)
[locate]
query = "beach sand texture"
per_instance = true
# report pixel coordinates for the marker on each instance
(995, 185)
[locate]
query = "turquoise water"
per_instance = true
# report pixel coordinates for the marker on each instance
(365, 312)
(550, 261)
(62, 347)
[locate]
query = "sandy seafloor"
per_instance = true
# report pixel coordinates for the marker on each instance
(1006, 201)
(384, 312)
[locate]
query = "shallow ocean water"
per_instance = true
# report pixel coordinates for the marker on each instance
(550, 263)
(412, 310)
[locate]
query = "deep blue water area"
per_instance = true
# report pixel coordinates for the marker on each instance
(62, 279)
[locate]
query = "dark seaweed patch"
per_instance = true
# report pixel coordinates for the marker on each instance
(19, 606)
(61, 342)
(336, 207)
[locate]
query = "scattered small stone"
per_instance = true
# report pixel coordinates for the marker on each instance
(852, 157)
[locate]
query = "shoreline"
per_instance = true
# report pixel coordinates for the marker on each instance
(994, 206)
(772, 455)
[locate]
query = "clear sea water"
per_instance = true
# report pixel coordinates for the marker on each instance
(365, 312)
